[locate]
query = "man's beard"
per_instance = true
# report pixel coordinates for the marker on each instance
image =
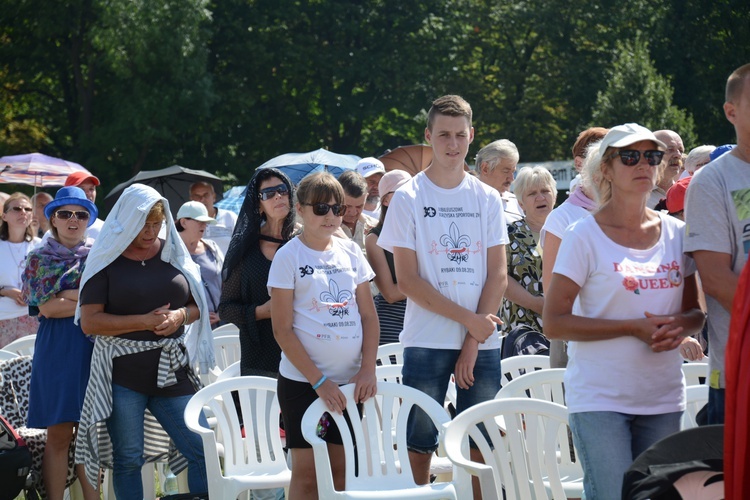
(373, 199)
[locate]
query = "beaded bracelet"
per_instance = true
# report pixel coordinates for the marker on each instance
(319, 382)
(185, 315)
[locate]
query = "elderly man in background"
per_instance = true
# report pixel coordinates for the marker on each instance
(88, 183)
(372, 170)
(356, 225)
(671, 167)
(495, 166)
(39, 222)
(221, 232)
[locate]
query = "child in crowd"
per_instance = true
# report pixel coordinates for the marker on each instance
(332, 336)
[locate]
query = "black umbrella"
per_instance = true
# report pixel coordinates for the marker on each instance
(172, 182)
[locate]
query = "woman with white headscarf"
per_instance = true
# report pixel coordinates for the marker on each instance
(138, 292)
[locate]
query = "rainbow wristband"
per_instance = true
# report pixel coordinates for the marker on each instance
(319, 382)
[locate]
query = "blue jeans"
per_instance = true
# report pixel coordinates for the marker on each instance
(429, 370)
(608, 442)
(126, 430)
(715, 406)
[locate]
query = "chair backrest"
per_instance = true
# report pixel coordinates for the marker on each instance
(390, 354)
(696, 397)
(230, 371)
(694, 372)
(540, 384)
(6, 355)
(228, 329)
(23, 346)
(389, 373)
(380, 461)
(530, 454)
(259, 452)
(515, 366)
(227, 350)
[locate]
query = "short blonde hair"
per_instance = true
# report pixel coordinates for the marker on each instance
(530, 177)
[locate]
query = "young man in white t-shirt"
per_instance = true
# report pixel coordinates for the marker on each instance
(447, 232)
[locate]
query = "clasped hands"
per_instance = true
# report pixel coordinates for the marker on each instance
(164, 321)
(662, 333)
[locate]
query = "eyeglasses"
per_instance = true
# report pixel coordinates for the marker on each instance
(323, 208)
(28, 210)
(271, 192)
(631, 157)
(67, 214)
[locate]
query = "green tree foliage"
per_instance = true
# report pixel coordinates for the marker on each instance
(125, 85)
(636, 92)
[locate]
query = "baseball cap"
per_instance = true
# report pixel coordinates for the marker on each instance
(195, 210)
(720, 151)
(368, 166)
(392, 180)
(79, 177)
(627, 134)
(676, 195)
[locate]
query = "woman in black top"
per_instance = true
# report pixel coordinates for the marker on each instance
(265, 222)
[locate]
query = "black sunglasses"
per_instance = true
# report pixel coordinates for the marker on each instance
(631, 157)
(323, 208)
(271, 192)
(67, 214)
(28, 210)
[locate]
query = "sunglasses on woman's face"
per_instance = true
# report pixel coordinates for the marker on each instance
(28, 210)
(323, 208)
(631, 157)
(271, 192)
(67, 214)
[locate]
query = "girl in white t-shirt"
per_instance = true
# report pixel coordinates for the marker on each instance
(331, 337)
(636, 303)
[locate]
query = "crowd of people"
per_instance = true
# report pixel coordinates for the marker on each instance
(634, 273)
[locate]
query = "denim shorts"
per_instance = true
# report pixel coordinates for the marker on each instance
(430, 370)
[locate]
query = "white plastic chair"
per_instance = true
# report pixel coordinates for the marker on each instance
(5, 355)
(389, 373)
(23, 346)
(515, 366)
(228, 329)
(230, 371)
(540, 384)
(227, 351)
(255, 461)
(387, 353)
(530, 459)
(382, 467)
(696, 397)
(694, 371)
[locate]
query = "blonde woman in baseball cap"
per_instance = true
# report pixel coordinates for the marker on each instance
(624, 295)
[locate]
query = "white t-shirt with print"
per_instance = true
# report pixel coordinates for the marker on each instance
(623, 374)
(450, 230)
(560, 218)
(326, 316)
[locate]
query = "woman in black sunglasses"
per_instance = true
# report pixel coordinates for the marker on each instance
(265, 223)
(62, 353)
(636, 303)
(16, 241)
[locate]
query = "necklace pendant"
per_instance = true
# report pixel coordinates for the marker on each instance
(143, 263)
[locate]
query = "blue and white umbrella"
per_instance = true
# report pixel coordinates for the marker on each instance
(297, 165)
(232, 199)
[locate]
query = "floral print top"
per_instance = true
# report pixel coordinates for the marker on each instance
(525, 266)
